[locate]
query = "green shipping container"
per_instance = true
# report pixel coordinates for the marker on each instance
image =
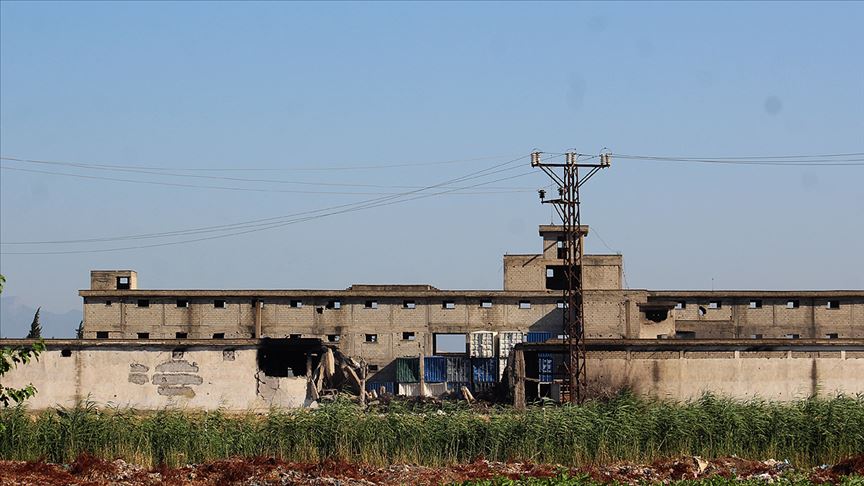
(407, 370)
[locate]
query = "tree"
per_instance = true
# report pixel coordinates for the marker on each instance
(35, 327)
(79, 333)
(11, 358)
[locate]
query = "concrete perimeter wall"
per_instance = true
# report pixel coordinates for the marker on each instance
(155, 377)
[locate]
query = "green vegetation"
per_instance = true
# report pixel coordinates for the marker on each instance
(809, 432)
(11, 357)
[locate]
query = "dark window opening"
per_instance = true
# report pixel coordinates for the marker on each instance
(833, 304)
(756, 304)
(295, 336)
(685, 334)
(108, 303)
(143, 335)
(681, 305)
(333, 338)
(408, 336)
(558, 279)
(486, 304)
(562, 247)
(219, 304)
(143, 303)
(218, 335)
(448, 304)
(371, 304)
(793, 304)
(656, 315)
(182, 303)
(524, 304)
(793, 336)
(755, 336)
(319, 310)
(372, 367)
(371, 338)
(101, 334)
(702, 311)
(409, 304)
(123, 283)
(66, 353)
(334, 304)
(296, 304)
(180, 335)
(286, 357)
(449, 343)
(715, 304)
(832, 335)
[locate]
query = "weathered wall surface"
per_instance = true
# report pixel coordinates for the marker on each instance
(774, 375)
(152, 378)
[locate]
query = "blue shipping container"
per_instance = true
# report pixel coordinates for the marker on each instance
(538, 336)
(376, 386)
(435, 369)
(546, 366)
(484, 370)
(458, 370)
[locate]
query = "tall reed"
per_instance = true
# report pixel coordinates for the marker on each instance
(627, 427)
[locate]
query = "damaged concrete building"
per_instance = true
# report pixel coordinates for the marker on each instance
(647, 340)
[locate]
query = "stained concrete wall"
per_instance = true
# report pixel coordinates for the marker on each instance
(155, 377)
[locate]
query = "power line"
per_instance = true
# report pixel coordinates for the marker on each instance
(825, 160)
(275, 222)
(241, 189)
(197, 176)
(300, 168)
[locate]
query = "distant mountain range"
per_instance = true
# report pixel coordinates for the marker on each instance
(15, 319)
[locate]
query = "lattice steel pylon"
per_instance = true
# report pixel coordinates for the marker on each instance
(568, 207)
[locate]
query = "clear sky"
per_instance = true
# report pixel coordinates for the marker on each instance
(292, 86)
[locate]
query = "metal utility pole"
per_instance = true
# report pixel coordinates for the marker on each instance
(567, 206)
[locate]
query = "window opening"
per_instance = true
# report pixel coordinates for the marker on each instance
(332, 338)
(448, 304)
(143, 302)
(182, 303)
(486, 304)
(123, 283)
(449, 343)
(219, 304)
(334, 304)
(793, 304)
(371, 304)
(101, 334)
(702, 311)
(409, 304)
(524, 304)
(219, 335)
(833, 304)
(832, 335)
(755, 336)
(66, 353)
(108, 303)
(295, 336)
(714, 304)
(371, 338)
(296, 304)
(143, 335)
(372, 367)
(756, 304)
(408, 336)
(793, 336)
(180, 335)
(681, 305)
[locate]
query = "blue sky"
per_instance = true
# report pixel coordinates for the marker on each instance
(291, 85)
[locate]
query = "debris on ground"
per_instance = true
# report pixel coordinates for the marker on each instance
(92, 471)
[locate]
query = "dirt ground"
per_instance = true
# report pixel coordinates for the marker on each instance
(88, 470)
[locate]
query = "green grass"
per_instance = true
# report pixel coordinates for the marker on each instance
(809, 432)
